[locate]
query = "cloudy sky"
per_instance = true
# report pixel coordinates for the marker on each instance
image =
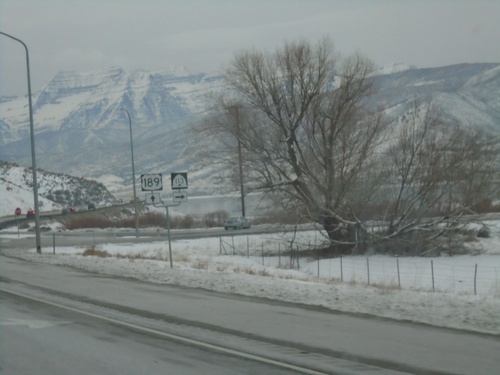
(203, 35)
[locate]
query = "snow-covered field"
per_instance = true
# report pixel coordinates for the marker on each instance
(236, 265)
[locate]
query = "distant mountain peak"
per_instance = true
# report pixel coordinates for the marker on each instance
(394, 68)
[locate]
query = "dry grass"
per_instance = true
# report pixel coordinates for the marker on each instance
(335, 280)
(251, 271)
(264, 272)
(201, 264)
(284, 266)
(95, 252)
(386, 288)
(181, 258)
(221, 267)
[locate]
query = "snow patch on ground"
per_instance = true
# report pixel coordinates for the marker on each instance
(200, 264)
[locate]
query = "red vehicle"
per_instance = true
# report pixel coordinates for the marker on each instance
(30, 213)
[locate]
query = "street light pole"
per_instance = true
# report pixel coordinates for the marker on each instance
(236, 108)
(33, 157)
(133, 174)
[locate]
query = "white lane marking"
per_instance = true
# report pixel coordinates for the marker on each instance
(32, 323)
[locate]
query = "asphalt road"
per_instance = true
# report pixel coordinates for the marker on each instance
(315, 338)
(37, 338)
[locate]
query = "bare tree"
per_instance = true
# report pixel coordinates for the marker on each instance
(311, 136)
(438, 171)
(421, 162)
(478, 175)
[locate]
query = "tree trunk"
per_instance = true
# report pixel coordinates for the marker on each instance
(339, 233)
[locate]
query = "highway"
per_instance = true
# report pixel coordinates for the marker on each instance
(239, 331)
(40, 338)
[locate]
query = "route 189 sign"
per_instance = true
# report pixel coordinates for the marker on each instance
(151, 182)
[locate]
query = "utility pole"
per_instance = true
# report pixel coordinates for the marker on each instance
(240, 162)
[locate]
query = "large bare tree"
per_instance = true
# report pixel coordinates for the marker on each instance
(300, 123)
(309, 134)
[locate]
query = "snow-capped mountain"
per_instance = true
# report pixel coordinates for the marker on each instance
(82, 130)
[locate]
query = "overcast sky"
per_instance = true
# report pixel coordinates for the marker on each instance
(203, 35)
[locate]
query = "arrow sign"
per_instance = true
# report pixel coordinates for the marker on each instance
(152, 198)
(180, 197)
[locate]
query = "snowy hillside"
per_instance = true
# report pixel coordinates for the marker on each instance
(55, 191)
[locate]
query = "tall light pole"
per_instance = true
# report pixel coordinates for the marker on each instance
(33, 157)
(133, 174)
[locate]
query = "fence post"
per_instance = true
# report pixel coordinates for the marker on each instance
(368, 269)
(475, 278)
(54, 243)
(220, 245)
(319, 258)
(232, 241)
(341, 270)
(279, 254)
(262, 253)
(399, 278)
(432, 271)
(248, 248)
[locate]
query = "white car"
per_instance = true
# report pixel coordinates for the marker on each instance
(237, 222)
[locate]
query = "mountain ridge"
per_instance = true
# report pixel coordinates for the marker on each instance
(82, 130)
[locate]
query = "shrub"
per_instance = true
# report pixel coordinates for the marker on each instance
(280, 218)
(187, 222)
(483, 233)
(483, 206)
(85, 221)
(215, 218)
(182, 222)
(24, 225)
(152, 219)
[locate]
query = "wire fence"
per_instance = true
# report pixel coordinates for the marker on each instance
(459, 274)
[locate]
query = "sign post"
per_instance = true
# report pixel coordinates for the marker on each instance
(152, 183)
(17, 212)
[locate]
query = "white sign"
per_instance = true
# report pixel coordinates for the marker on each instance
(180, 197)
(152, 198)
(151, 182)
(179, 180)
